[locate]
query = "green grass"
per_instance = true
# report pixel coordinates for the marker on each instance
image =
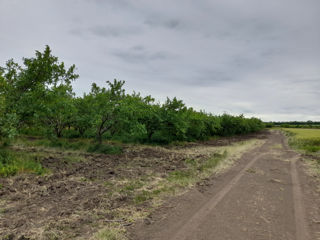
(300, 133)
(61, 143)
(146, 195)
(111, 234)
(182, 177)
(213, 161)
(104, 148)
(132, 186)
(12, 163)
(179, 179)
(74, 158)
(307, 140)
(82, 145)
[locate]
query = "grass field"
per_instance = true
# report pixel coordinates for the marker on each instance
(301, 133)
(307, 140)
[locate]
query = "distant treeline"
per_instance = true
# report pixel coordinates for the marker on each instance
(294, 124)
(37, 99)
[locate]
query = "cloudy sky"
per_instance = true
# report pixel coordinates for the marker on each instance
(259, 58)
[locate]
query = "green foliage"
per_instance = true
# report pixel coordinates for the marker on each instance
(37, 99)
(173, 122)
(8, 123)
(40, 92)
(232, 125)
(106, 103)
(296, 124)
(12, 163)
(105, 149)
(8, 119)
(269, 125)
(58, 109)
(82, 119)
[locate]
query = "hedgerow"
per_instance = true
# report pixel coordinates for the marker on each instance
(38, 98)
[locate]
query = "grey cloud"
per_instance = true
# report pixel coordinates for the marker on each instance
(138, 55)
(254, 57)
(165, 23)
(174, 23)
(138, 48)
(209, 77)
(114, 31)
(76, 32)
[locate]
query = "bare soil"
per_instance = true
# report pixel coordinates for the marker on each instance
(269, 194)
(77, 197)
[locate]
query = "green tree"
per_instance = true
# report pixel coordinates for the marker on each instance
(106, 107)
(134, 117)
(173, 122)
(8, 118)
(38, 90)
(56, 109)
(39, 95)
(83, 118)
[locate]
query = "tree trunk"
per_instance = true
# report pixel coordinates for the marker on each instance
(150, 135)
(58, 131)
(99, 137)
(81, 131)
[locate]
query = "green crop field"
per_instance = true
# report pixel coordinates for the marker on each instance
(307, 140)
(300, 133)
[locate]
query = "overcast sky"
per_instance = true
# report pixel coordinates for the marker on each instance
(259, 58)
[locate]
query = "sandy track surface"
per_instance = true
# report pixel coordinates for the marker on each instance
(266, 195)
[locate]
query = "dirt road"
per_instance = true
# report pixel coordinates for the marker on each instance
(266, 195)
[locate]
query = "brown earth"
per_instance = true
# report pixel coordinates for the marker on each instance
(79, 196)
(268, 194)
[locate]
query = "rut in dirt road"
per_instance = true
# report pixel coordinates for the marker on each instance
(259, 198)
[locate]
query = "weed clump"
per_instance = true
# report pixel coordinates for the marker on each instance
(308, 145)
(60, 143)
(104, 149)
(12, 163)
(111, 234)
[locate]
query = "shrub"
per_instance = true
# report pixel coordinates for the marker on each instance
(12, 163)
(105, 149)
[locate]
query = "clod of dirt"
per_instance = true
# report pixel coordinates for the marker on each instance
(147, 221)
(23, 238)
(9, 237)
(251, 170)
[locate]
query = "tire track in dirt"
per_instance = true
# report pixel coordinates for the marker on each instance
(197, 218)
(302, 232)
(299, 210)
(260, 199)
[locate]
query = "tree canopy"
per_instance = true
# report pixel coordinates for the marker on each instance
(37, 98)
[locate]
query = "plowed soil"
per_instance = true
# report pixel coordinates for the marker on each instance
(267, 195)
(78, 197)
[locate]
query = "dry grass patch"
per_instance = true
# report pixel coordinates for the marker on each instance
(91, 196)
